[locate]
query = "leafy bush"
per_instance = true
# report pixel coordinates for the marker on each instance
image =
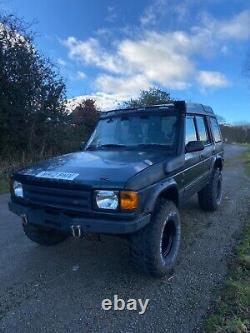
(32, 95)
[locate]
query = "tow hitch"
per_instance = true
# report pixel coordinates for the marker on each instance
(24, 219)
(76, 231)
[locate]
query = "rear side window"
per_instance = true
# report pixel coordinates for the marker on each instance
(202, 130)
(190, 130)
(215, 130)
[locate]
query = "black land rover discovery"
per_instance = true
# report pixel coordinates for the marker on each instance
(130, 179)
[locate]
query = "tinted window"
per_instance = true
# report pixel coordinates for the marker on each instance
(202, 129)
(215, 130)
(190, 130)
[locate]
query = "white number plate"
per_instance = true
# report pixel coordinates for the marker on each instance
(57, 175)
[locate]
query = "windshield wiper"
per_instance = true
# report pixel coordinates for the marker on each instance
(111, 145)
(153, 145)
(117, 145)
(108, 145)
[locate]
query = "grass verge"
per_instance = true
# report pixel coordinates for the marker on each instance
(4, 186)
(246, 160)
(232, 314)
(232, 311)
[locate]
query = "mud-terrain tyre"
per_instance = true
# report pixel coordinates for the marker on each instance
(211, 195)
(154, 249)
(46, 237)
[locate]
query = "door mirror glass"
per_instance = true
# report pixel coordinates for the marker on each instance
(193, 146)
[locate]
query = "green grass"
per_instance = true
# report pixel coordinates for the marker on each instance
(244, 158)
(232, 314)
(244, 144)
(247, 162)
(4, 186)
(232, 310)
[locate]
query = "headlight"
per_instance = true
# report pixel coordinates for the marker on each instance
(18, 189)
(107, 199)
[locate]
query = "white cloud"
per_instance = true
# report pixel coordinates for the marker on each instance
(80, 75)
(236, 28)
(91, 53)
(225, 50)
(165, 9)
(122, 85)
(112, 15)
(61, 62)
(210, 79)
(167, 58)
(158, 58)
(104, 101)
(148, 17)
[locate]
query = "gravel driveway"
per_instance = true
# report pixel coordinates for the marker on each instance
(60, 289)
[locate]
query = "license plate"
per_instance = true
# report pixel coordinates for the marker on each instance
(57, 175)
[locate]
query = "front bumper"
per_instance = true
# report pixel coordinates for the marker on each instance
(64, 222)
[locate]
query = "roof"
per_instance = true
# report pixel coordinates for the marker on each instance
(199, 108)
(181, 106)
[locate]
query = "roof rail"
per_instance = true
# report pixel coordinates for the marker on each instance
(199, 108)
(181, 106)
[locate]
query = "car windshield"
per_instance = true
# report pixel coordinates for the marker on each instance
(134, 131)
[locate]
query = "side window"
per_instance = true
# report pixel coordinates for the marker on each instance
(190, 130)
(215, 130)
(202, 130)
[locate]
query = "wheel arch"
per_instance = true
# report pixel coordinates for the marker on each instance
(168, 191)
(218, 163)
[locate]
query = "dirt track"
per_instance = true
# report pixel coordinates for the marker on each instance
(60, 289)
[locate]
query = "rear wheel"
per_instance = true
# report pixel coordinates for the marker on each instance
(154, 249)
(41, 236)
(211, 195)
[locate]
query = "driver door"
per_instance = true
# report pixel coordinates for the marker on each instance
(193, 167)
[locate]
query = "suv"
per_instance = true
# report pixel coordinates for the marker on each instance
(130, 179)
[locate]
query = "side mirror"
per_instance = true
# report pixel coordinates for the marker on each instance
(82, 145)
(193, 146)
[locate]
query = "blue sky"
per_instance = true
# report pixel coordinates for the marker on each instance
(111, 49)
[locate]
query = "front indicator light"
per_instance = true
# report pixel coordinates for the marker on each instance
(129, 200)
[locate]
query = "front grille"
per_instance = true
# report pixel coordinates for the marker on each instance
(70, 200)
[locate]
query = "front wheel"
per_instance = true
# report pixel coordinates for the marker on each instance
(154, 249)
(211, 195)
(43, 236)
